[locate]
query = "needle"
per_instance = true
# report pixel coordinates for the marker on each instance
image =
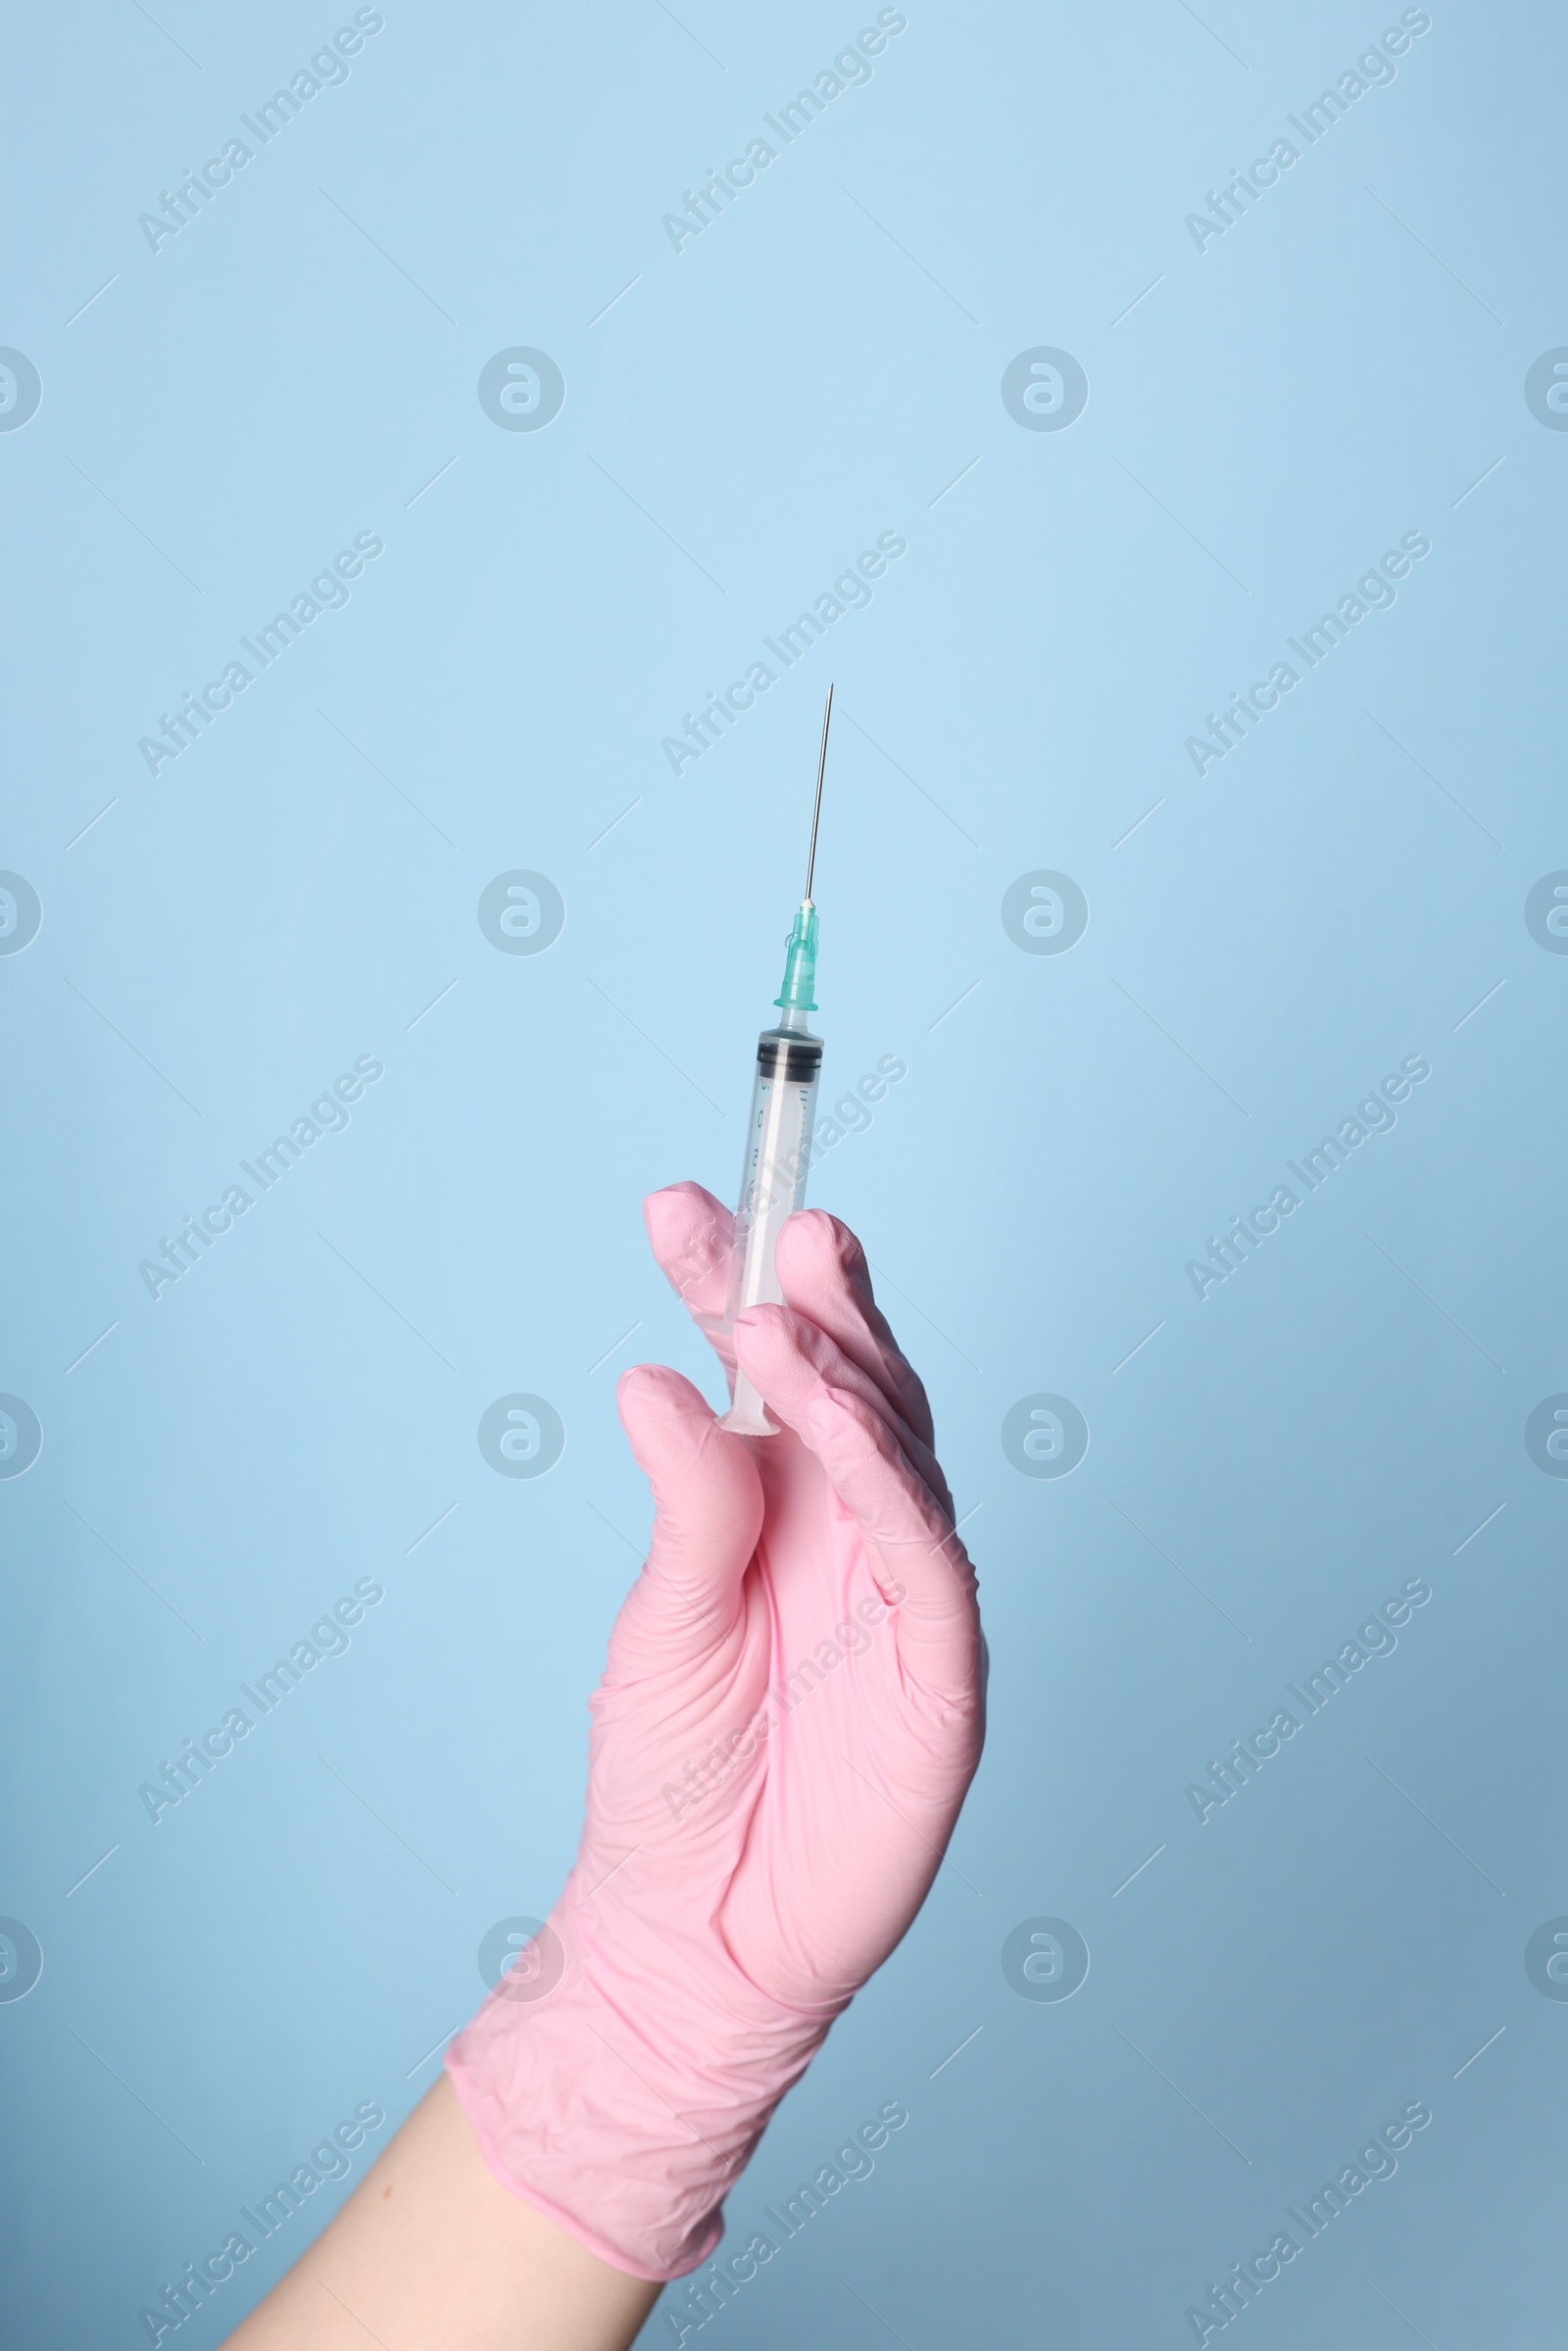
(821, 762)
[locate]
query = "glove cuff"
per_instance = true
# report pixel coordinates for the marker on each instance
(623, 2105)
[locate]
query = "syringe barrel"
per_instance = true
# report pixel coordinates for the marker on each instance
(773, 1174)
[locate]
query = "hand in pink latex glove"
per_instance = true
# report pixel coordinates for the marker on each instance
(789, 1719)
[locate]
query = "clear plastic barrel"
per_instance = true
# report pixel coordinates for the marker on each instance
(773, 1173)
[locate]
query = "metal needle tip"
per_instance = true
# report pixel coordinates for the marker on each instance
(816, 809)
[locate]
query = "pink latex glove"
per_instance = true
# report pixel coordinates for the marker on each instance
(789, 1719)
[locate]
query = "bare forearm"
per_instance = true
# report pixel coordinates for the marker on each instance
(430, 2253)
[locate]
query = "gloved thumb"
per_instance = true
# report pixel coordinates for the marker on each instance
(708, 1508)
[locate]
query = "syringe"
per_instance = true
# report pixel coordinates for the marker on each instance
(778, 1136)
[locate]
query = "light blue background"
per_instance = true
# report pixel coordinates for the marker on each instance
(816, 367)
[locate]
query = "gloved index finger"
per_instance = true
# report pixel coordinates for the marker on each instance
(906, 1520)
(812, 1345)
(691, 1236)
